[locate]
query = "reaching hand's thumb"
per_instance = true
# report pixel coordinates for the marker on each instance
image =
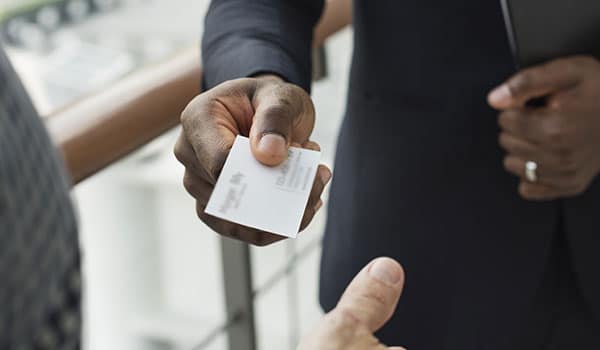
(283, 114)
(374, 293)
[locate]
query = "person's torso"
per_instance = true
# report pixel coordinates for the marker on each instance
(421, 71)
(39, 258)
(419, 176)
(426, 48)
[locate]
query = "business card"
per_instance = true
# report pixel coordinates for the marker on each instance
(271, 199)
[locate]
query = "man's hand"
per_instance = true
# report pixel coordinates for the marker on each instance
(275, 115)
(563, 136)
(367, 304)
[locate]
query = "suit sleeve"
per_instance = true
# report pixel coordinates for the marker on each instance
(246, 37)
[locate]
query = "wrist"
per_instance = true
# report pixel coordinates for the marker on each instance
(269, 77)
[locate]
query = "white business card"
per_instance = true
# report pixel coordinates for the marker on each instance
(271, 199)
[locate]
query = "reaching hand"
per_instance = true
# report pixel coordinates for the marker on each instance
(367, 304)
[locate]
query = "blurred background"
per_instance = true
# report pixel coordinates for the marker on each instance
(153, 272)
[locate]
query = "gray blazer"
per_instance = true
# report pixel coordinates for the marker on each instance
(39, 258)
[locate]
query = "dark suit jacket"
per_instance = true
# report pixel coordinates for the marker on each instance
(418, 174)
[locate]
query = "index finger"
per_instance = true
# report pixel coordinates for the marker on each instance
(536, 82)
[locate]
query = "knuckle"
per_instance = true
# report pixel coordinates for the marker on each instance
(555, 134)
(374, 298)
(344, 318)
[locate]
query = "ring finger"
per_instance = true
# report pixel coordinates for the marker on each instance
(524, 149)
(545, 175)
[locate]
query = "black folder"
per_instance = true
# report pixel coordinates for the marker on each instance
(542, 30)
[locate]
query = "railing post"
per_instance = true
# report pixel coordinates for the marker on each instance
(239, 301)
(320, 70)
(292, 294)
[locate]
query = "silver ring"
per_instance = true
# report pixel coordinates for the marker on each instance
(531, 171)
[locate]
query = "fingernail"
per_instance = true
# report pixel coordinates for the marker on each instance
(272, 143)
(500, 95)
(386, 271)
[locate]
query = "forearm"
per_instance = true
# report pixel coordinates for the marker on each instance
(249, 37)
(337, 15)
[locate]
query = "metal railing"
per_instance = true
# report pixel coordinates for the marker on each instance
(240, 297)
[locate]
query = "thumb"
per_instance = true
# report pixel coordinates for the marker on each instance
(373, 295)
(284, 114)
